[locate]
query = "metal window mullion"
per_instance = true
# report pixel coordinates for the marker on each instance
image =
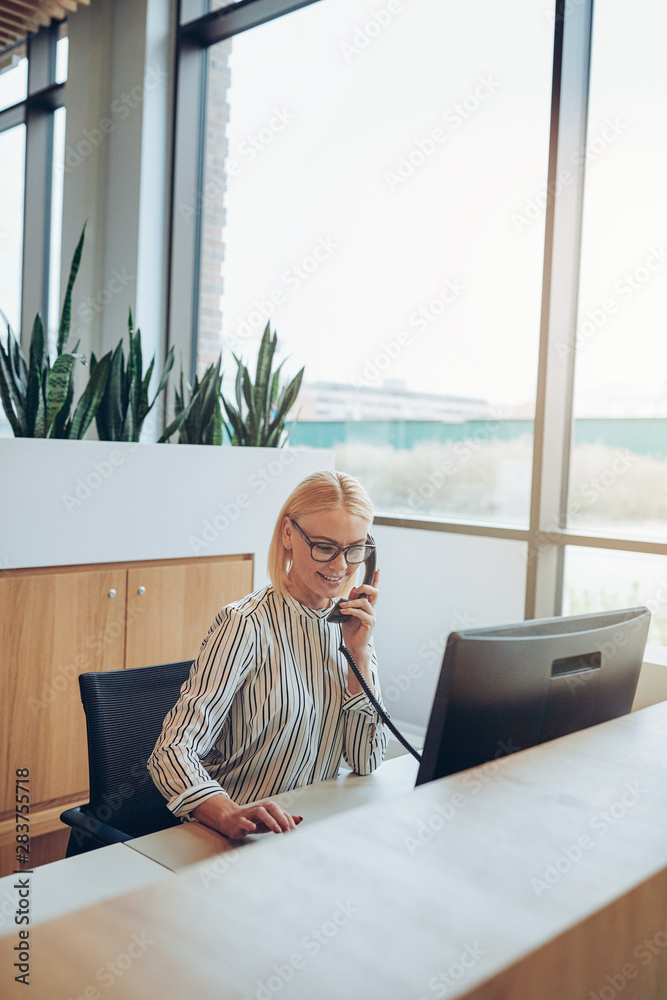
(11, 117)
(186, 203)
(228, 21)
(553, 414)
(38, 183)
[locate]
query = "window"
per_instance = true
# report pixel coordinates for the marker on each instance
(619, 460)
(32, 131)
(375, 217)
(12, 170)
(539, 203)
(13, 76)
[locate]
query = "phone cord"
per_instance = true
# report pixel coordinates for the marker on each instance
(374, 702)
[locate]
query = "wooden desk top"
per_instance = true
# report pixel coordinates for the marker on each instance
(179, 847)
(68, 885)
(542, 876)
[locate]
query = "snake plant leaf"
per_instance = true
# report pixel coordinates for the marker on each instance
(272, 399)
(19, 366)
(62, 422)
(175, 425)
(144, 405)
(263, 371)
(237, 386)
(181, 414)
(91, 396)
(200, 420)
(273, 437)
(109, 416)
(66, 315)
(34, 397)
(37, 345)
(14, 381)
(287, 400)
(258, 419)
(133, 383)
(16, 364)
(38, 417)
(8, 394)
(164, 378)
(251, 422)
(180, 400)
(57, 385)
(211, 416)
(242, 392)
(168, 365)
(237, 436)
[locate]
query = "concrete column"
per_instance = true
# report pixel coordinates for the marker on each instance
(117, 171)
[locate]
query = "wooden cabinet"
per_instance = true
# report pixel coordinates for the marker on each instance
(56, 623)
(53, 627)
(170, 607)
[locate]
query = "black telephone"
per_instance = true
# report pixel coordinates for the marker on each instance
(336, 616)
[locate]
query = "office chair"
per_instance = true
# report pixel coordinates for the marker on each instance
(124, 710)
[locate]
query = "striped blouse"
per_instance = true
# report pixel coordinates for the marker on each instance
(265, 708)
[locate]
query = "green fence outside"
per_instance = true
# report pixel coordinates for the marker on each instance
(643, 436)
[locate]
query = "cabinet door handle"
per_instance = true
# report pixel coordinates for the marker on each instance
(141, 591)
(112, 593)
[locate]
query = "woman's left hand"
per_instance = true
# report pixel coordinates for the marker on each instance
(359, 609)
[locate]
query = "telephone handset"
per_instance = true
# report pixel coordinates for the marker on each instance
(335, 615)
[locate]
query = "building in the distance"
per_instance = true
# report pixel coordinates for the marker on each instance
(339, 401)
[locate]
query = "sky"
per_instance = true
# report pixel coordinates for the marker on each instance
(388, 195)
(409, 150)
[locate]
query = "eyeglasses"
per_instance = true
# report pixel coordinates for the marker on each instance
(326, 551)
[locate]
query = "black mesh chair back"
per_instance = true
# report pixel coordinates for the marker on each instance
(124, 710)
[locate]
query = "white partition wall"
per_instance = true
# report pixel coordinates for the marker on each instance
(433, 583)
(77, 502)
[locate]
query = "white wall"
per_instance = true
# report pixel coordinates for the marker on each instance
(117, 163)
(78, 502)
(430, 584)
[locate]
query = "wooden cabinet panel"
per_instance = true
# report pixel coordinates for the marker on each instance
(168, 621)
(53, 626)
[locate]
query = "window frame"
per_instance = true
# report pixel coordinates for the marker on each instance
(36, 112)
(547, 533)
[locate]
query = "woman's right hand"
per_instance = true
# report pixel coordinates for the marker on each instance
(234, 821)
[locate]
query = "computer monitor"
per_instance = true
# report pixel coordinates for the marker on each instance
(510, 687)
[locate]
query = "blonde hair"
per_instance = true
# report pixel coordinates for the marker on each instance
(320, 491)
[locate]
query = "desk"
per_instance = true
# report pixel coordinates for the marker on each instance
(542, 876)
(68, 885)
(190, 843)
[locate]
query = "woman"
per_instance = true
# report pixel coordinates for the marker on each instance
(269, 704)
